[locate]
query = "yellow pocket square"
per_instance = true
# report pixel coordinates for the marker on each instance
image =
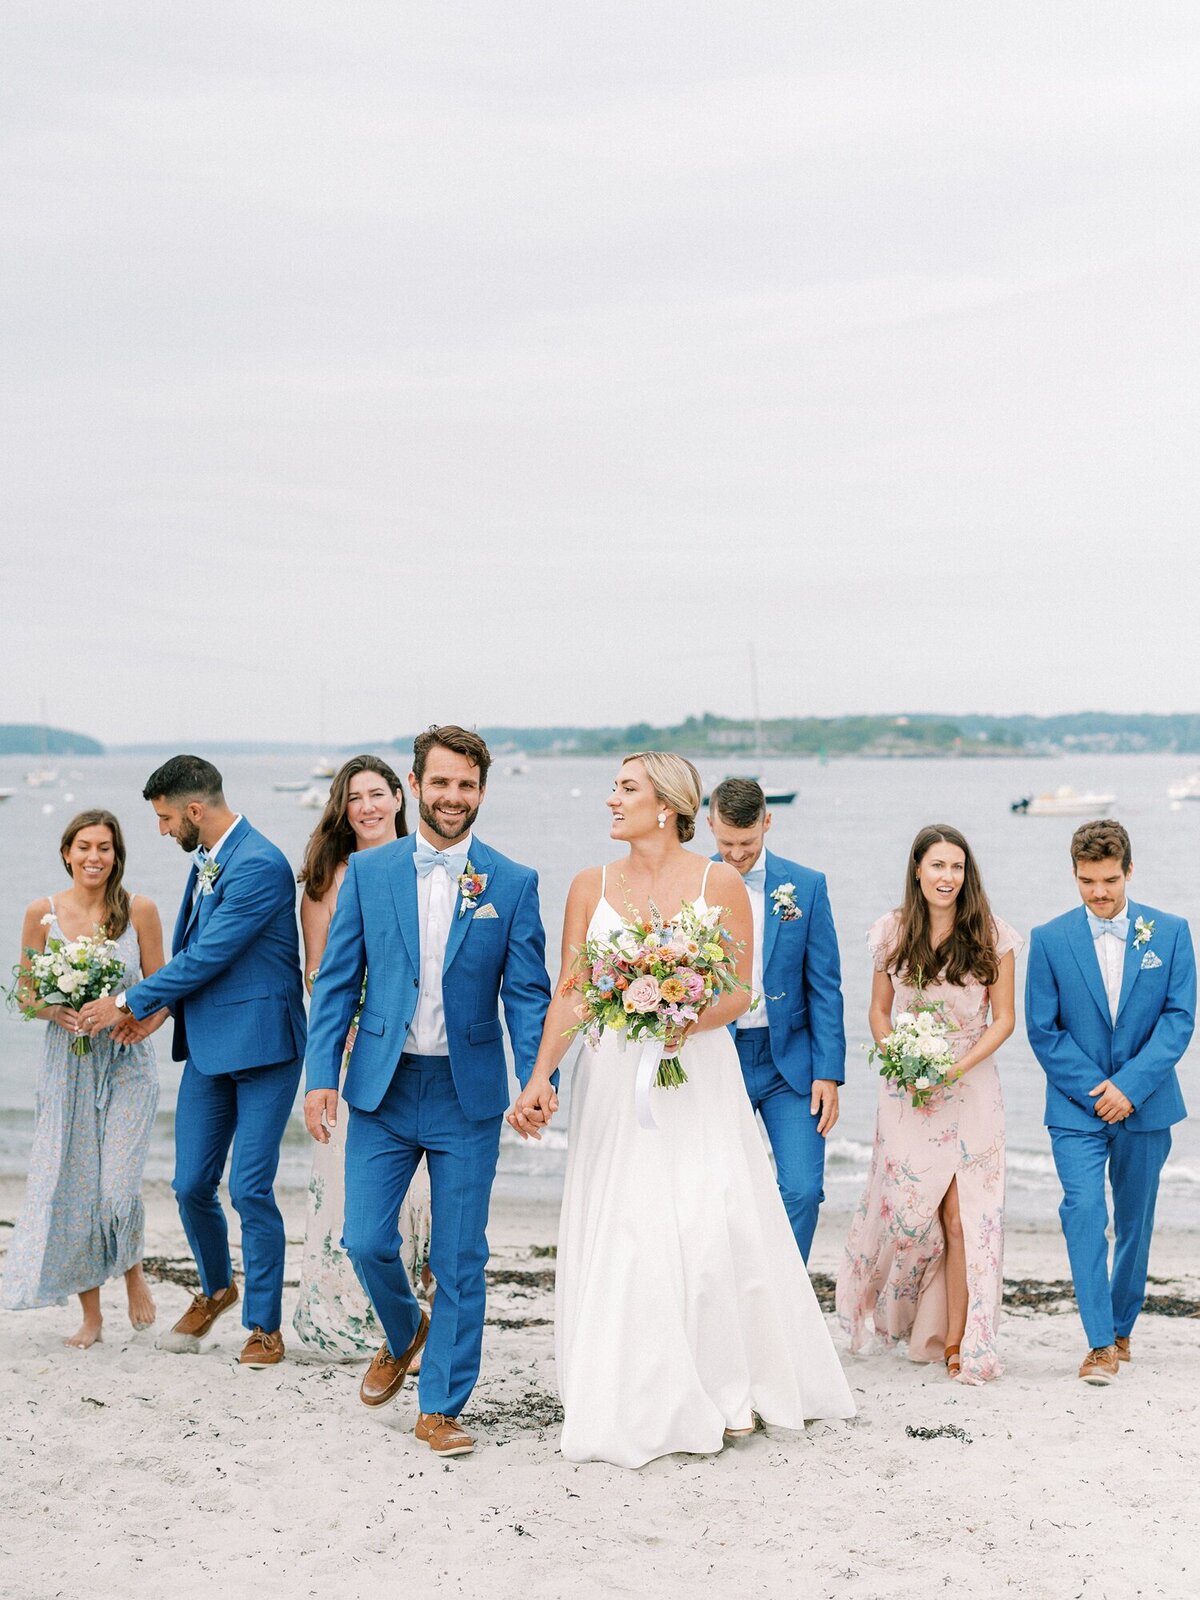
(486, 911)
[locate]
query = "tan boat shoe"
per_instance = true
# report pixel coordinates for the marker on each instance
(1101, 1365)
(384, 1378)
(262, 1349)
(1124, 1353)
(197, 1321)
(443, 1434)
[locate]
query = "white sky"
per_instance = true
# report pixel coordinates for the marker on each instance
(524, 363)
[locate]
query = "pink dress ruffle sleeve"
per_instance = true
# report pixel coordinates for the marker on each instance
(891, 1287)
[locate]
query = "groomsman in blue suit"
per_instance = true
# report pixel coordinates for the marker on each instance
(792, 1045)
(440, 925)
(233, 984)
(1110, 1003)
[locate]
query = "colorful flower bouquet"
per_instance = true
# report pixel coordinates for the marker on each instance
(69, 972)
(915, 1054)
(651, 979)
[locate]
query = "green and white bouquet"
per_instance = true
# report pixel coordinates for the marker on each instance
(69, 972)
(916, 1054)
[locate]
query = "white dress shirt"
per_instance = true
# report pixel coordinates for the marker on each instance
(758, 912)
(1110, 953)
(212, 854)
(436, 893)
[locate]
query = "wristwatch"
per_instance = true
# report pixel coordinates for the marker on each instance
(121, 1003)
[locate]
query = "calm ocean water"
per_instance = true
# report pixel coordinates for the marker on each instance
(854, 820)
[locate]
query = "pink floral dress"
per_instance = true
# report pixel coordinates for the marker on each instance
(891, 1284)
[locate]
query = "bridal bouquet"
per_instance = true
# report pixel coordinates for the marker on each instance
(915, 1054)
(650, 979)
(69, 972)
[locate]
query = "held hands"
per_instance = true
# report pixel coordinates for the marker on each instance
(320, 1113)
(130, 1031)
(100, 1014)
(1110, 1104)
(535, 1105)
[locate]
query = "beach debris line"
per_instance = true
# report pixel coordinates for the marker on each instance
(946, 1431)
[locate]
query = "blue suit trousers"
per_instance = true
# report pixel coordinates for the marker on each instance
(798, 1148)
(1109, 1307)
(420, 1113)
(248, 1110)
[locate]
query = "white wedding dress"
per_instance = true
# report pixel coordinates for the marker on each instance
(682, 1303)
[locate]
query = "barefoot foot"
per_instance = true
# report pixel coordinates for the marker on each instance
(87, 1335)
(142, 1309)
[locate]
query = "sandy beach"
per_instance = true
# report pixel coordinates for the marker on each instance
(130, 1472)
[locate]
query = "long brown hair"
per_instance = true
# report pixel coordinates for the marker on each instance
(970, 948)
(116, 897)
(333, 840)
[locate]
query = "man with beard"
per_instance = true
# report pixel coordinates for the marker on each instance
(233, 984)
(426, 934)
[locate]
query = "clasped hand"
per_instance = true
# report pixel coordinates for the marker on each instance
(534, 1106)
(1110, 1104)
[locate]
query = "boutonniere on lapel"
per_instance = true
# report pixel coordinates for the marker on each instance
(206, 876)
(471, 885)
(1143, 932)
(783, 903)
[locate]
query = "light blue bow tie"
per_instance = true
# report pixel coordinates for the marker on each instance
(756, 878)
(201, 856)
(427, 858)
(1117, 926)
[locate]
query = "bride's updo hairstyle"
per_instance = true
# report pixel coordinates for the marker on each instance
(676, 783)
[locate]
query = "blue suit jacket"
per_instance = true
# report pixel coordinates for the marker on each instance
(802, 977)
(376, 930)
(1072, 1032)
(233, 980)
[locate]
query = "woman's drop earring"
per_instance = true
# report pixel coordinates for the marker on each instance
(662, 819)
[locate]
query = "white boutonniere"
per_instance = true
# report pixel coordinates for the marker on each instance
(783, 902)
(206, 876)
(471, 885)
(1143, 932)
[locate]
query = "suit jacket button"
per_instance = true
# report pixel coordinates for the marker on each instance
(416, 983)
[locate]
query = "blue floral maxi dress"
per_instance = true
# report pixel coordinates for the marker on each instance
(83, 1218)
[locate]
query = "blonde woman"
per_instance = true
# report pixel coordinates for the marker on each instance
(684, 1310)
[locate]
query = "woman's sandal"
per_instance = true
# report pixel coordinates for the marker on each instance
(953, 1363)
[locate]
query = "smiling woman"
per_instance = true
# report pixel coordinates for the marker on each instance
(82, 1220)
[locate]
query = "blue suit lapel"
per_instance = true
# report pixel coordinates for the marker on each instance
(481, 861)
(403, 879)
(1083, 948)
(770, 921)
(236, 836)
(185, 913)
(1133, 960)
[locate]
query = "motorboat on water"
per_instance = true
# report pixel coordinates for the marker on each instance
(774, 797)
(1185, 789)
(41, 777)
(7, 794)
(323, 767)
(291, 786)
(313, 798)
(1064, 802)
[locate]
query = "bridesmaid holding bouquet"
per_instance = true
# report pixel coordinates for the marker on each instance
(924, 1260)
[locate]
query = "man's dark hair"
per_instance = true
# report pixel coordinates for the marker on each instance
(738, 801)
(1101, 841)
(451, 737)
(185, 777)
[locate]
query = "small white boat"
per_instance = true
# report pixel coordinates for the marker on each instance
(7, 794)
(323, 767)
(1185, 789)
(1064, 802)
(41, 777)
(313, 799)
(292, 786)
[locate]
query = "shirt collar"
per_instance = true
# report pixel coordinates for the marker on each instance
(212, 854)
(462, 848)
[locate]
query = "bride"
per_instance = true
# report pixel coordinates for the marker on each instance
(683, 1307)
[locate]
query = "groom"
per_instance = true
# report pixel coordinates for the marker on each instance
(438, 924)
(1110, 1003)
(792, 1045)
(233, 984)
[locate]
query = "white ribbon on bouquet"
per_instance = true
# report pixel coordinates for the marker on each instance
(652, 1052)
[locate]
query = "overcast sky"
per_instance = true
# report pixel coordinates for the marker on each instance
(526, 362)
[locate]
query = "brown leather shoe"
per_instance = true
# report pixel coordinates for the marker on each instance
(385, 1377)
(262, 1349)
(197, 1321)
(443, 1434)
(1124, 1353)
(1100, 1366)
